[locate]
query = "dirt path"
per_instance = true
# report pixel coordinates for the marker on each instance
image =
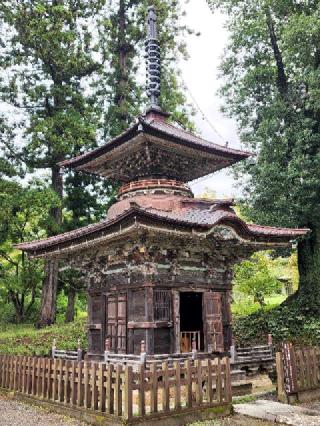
(14, 413)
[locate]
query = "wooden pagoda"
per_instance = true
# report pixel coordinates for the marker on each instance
(159, 267)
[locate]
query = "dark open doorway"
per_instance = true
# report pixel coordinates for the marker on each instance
(191, 324)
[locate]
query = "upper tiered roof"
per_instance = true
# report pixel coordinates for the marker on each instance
(153, 147)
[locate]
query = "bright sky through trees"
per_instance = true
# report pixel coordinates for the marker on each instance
(200, 74)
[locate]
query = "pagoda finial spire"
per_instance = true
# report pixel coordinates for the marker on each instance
(153, 59)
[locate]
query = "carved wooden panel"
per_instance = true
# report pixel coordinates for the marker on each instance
(213, 326)
(176, 320)
(96, 309)
(137, 306)
(226, 318)
(95, 305)
(122, 324)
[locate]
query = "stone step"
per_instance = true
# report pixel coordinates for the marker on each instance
(279, 413)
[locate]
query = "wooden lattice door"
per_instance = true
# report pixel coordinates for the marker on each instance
(117, 322)
(213, 326)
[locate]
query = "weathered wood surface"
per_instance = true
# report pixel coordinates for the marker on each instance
(119, 390)
(298, 371)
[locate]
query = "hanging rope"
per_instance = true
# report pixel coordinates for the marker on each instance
(203, 115)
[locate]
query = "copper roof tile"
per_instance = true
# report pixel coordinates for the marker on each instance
(182, 134)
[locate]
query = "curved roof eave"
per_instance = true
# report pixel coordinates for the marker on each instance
(160, 129)
(250, 233)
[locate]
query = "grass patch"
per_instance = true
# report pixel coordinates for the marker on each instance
(245, 306)
(24, 339)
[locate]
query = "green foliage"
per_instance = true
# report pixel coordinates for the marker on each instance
(123, 32)
(48, 61)
(254, 278)
(243, 306)
(69, 79)
(285, 322)
(271, 86)
(47, 53)
(26, 340)
(24, 216)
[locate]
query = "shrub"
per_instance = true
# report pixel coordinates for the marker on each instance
(285, 322)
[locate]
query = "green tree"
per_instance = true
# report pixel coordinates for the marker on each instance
(69, 79)
(122, 92)
(47, 57)
(254, 278)
(24, 215)
(271, 86)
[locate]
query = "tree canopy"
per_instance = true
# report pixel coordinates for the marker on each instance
(271, 81)
(70, 78)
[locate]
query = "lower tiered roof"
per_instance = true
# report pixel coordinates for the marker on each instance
(167, 214)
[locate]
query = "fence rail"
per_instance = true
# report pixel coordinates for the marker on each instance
(298, 371)
(118, 389)
(67, 354)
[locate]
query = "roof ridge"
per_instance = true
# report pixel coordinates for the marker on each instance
(188, 133)
(276, 227)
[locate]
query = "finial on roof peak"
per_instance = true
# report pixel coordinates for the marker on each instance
(153, 59)
(152, 23)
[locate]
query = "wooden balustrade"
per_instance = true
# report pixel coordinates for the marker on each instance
(117, 389)
(186, 339)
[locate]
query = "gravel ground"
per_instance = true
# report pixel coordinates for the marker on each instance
(14, 413)
(236, 420)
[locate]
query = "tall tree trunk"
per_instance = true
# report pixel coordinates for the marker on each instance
(282, 81)
(309, 271)
(49, 294)
(51, 269)
(121, 100)
(71, 302)
(18, 305)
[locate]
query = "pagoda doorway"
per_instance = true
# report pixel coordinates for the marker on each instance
(191, 321)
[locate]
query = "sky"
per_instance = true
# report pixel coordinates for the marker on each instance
(200, 74)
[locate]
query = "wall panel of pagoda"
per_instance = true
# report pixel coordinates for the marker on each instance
(158, 262)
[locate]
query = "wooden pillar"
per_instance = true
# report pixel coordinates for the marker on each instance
(150, 318)
(176, 320)
(130, 316)
(96, 320)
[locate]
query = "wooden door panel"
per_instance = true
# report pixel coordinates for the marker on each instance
(213, 326)
(117, 322)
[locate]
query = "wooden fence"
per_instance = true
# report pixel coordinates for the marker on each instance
(298, 372)
(120, 390)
